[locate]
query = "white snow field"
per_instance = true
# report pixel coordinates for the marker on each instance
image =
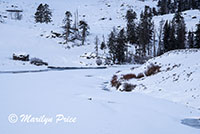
(85, 95)
(80, 94)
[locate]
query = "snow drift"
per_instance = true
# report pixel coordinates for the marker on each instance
(177, 78)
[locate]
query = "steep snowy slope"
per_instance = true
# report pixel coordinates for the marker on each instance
(177, 79)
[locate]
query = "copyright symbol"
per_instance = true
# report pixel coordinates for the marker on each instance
(12, 118)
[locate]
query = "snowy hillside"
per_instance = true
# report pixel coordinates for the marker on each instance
(177, 79)
(25, 36)
(28, 37)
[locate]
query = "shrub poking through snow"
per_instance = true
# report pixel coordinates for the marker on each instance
(129, 76)
(115, 82)
(21, 57)
(128, 87)
(121, 83)
(152, 69)
(140, 75)
(99, 62)
(38, 62)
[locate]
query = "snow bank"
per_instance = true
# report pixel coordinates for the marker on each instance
(177, 80)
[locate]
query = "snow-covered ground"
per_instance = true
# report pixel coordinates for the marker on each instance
(80, 94)
(170, 96)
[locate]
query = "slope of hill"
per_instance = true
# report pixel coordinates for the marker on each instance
(28, 37)
(24, 36)
(177, 78)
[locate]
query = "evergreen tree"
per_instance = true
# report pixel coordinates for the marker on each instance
(121, 48)
(145, 29)
(172, 38)
(180, 5)
(39, 14)
(47, 14)
(160, 36)
(83, 26)
(172, 6)
(103, 44)
(197, 36)
(43, 14)
(67, 25)
(154, 42)
(162, 5)
(180, 30)
(190, 39)
(166, 37)
(112, 45)
(169, 39)
(131, 26)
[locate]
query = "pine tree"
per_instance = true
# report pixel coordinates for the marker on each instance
(197, 36)
(160, 36)
(145, 29)
(43, 14)
(131, 26)
(169, 40)
(154, 42)
(103, 44)
(39, 14)
(67, 25)
(47, 14)
(180, 30)
(190, 39)
(162, 5)
(83, 26)
(121, 48)
(172, 38)
(112, 45)
(166, 37)
(172, 6)
(180, 5)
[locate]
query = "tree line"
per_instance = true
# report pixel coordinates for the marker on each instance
(172, 6)
(71, 32)
(149, 41)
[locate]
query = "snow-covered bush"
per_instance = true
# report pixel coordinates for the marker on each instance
(38, 62)
(99, 62)
(21, 56)
(129, 76)
(115, 82)
(152, 69)
(128, 87)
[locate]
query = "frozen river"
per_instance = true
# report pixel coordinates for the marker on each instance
(73, 101)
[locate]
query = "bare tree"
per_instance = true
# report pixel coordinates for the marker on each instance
(96, 41)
